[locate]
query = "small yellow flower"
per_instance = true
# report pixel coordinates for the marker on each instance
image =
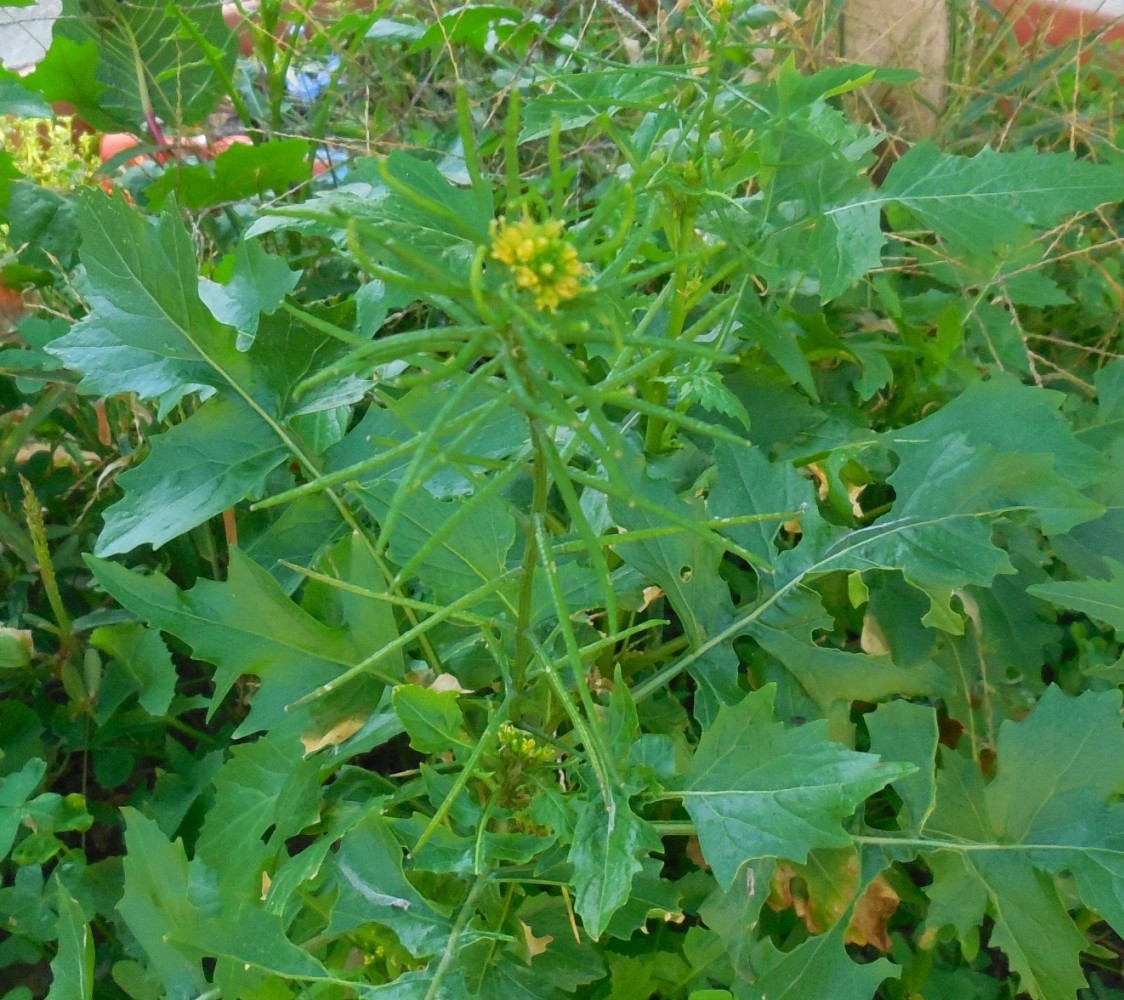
(524, 747)
(46, 150)
(541, 260)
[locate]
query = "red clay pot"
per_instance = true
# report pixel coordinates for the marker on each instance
(11, 305)
(1056, 21)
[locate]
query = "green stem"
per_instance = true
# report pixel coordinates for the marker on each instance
(539, 495)
(154, 128)
(698, 528)
(498, 920)
(486, 741)
(740, 624)
(714, 82)
(462, 618)
(654, 390)
(350, 56)
(34, 515)
(417, 632)
(581, 727)
(666, 415)
(480, 498)
(557, 178)
(449, 955)
(414, 474)
(350, 474)
(480, 185)
(511, 152)
(277, 71)
(214, 60)
(591, 649)
(674, 828)
(436, 280)
(375, 352)
(660, 653)
(587, 541)
(314, 322)
(603, 761)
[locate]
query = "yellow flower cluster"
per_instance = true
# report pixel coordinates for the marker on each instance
(46, 150)
(540, 258)
(524, 747)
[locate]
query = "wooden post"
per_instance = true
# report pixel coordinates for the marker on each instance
(909, 33)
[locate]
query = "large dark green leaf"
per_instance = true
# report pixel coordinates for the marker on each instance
(295, 533)
(141, 663)
(684, 565)
(157, 902)
(171, 910)
(1101, 600)
(264, 795)
(432, 719)
(462, 555)
(246, 625)
(257, 283)
(476, 428)
(1010, 418)
(144, 297)
(372, 888)
(903, 731)
(748, 484)
(41, 222)
(1061, 772)
(989, 199)
(820, 967)
(109, 367)
(72, 971)
(149, 332)
(400, 200)
(577, 98)
(835, 237)
(238, 173)
(15, 790)
(249, 936)
(606, 853)
(17, 100)
(994, 849)
(183, 56)
(831, 675)
(217, 457)
(1031, 923)
(812, 226)
(998, 450)
(734, 913)
(757, 790)
(68, 72)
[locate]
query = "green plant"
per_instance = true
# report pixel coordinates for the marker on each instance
(622, 553)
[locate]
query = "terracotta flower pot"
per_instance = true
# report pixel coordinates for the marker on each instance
(1059, 21)
(11, 305)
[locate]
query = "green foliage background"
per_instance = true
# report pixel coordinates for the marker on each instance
(743, 627)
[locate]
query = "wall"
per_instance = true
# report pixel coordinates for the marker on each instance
(25, 32)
